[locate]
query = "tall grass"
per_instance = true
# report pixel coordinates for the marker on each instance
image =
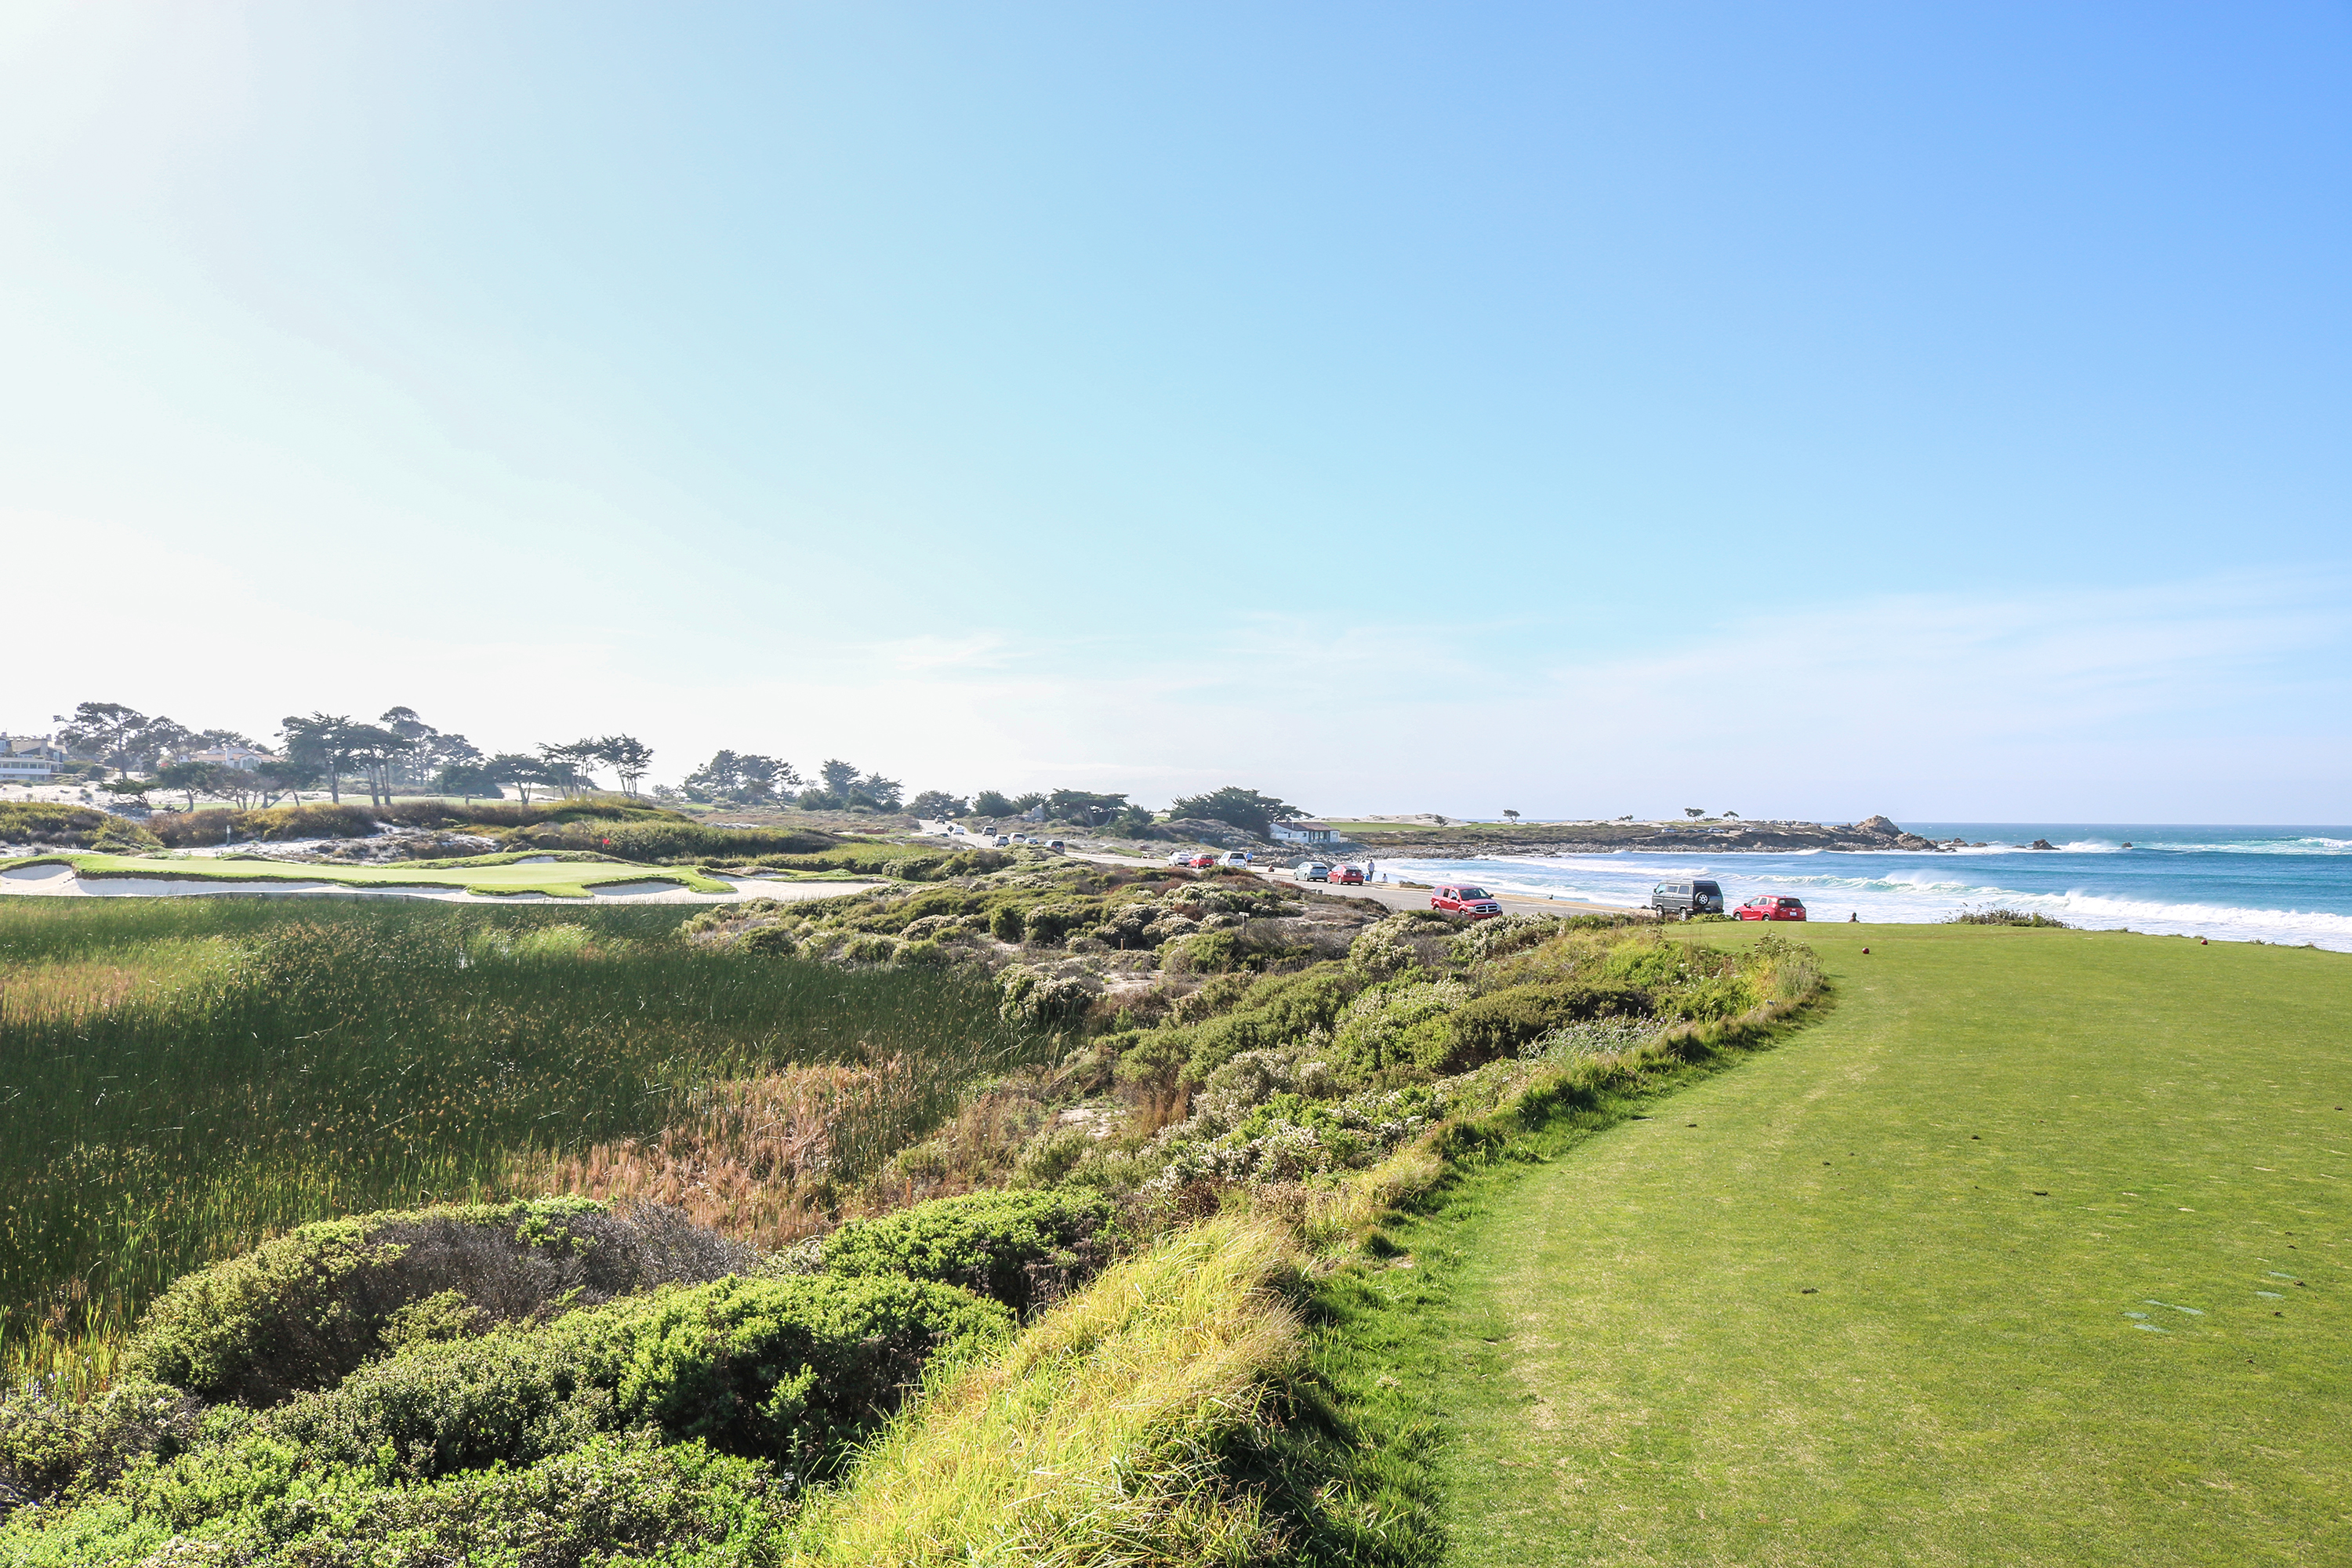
(179, 1079)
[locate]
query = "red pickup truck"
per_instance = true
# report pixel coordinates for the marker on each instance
(1462, 899)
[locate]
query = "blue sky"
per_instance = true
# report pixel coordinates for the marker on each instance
(1936, 411)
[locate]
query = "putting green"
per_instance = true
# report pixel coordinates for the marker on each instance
(556, 879)
(2031, 1250)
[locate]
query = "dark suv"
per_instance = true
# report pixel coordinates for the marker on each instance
(1680, 900)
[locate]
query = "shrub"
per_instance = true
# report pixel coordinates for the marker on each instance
(1397, 1024)
(1041, 1001)
(792, 1370)
(300, 1312)
(51, 822)
(120, 836)
(1997, 916)
(776, 941)
(1023, 1248)
(48, 1444)
(677, 839)
(181, 829)
(1048, 923)
(1504, 1022)
(1006, 923)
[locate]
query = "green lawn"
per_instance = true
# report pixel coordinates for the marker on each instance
(2031, 1250)
(492, 874)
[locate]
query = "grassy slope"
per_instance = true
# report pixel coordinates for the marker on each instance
(494, 874)
(1619, 1341)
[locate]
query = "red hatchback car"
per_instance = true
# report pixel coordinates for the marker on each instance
(1462, 899)
(1354, 874)
(1771, 906)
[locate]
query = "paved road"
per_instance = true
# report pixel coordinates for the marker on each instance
(1388, 893)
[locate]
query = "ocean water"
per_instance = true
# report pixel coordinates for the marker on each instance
(2241, 884)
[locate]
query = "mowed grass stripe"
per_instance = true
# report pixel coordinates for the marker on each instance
(2147, 1363)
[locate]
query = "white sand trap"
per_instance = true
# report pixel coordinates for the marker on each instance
(34, 879)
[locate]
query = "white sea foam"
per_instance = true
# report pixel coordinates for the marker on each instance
(1934, 890)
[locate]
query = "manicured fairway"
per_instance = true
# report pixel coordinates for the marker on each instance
(554, 879)
(2033, 1250)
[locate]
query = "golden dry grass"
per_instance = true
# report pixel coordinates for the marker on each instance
(1093, 1442)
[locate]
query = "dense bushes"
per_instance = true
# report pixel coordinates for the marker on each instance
(2005, 917)
(670, 838)
(278, 824)
(1502, 1023)
(301, 1312)
(70, 827)
(790, 1371)
(1023, 1248)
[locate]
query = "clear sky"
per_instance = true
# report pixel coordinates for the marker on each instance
(1807, 410)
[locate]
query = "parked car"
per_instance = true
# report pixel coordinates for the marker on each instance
(1311, 872)
(1180, 857)
(1464, 899)
(1237, 857)
(1055, 844)
(1351, 874)
(1202, 861)
(1002, 841)
(1680, 900)
(1771, 906)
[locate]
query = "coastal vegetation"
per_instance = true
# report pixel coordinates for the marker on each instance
(1024, 1209)
(1067, 1071)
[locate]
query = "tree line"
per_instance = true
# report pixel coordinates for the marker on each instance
(398, 750)
(325, 751)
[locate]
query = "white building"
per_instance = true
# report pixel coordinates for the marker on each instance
(245, 759)
(1303, 830)
(26, 759)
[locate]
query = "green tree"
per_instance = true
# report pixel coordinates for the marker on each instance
(627, 756)
(1084, 806)
(520, 769)
(467, 780)
(991, 803)
(321, 742)
(1244, 809)
(936, 804)
(192, 779)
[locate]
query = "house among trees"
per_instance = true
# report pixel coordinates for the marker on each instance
(245, 759)
(1302, 830)
(24, 758)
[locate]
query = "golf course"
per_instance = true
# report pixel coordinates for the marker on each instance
(2031, 1249)
(486, 876)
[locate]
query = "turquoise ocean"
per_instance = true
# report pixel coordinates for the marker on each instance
(2240, 884)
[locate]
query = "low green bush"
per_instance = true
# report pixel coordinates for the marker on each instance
(1502, 1023)
(1040, 1001)
(53, 822)
(187, 829)
(1023, 1248)
(678, 839)
(618, 1499)
(2005, 917)
(790, 1371)
(301, 1312)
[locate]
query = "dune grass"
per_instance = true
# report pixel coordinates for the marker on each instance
(1096, 1439)
(2033, 1250)
(181, 1077)
(499, 873)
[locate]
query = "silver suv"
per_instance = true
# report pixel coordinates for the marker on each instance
(1680, 900)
